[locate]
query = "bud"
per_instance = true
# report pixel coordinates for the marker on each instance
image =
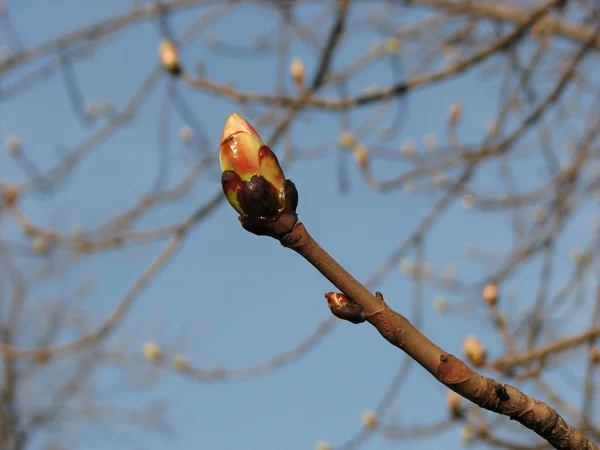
(151, 351)
(392, 45)
(297, 71)
(453, 400)
(455, 113)
(407, 267)
(440, 304)
(253, 181)
(39, 245)
(169, 57)
(10, 194)
(468, 201)
(467, 434)
(370, 420)
(408, 148)
(361, 156)
(13, 143)
(490, 294)
(323, 445)
(346, 139)
(474, 350)
(186, 134)
(344, 308)
(181, 363)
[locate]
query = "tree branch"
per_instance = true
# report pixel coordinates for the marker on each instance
(485, 392)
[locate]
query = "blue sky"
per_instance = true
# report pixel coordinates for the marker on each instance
(231, 299)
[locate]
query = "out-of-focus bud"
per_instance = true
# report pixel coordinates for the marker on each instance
(14, 146)
(467, 434)
(392, 45)
(474, 350)
(253, 181)
(181, 363)
(594, 355)
(440, 304)
(347, 139)
(453, 400)
(370, 420)
(10, 194)
(490, 293)
(39, 245)
(297, 72)
(169, 57)
(186, 134)
(151, 351)
(361, 156)
(343, 308)
(408, 148)
(407, 267)
(323, 445)
(455, 113)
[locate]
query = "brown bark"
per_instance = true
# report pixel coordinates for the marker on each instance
(449, 370)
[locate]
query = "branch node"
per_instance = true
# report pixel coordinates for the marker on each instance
(501, 392)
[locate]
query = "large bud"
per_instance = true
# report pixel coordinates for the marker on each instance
(253, 181)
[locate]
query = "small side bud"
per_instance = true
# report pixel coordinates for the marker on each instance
(490, 294)
(361, 156)
(474, 350)
(370, 420)
(151, 351)
(343, 308)
(169, 57)
(297, 71)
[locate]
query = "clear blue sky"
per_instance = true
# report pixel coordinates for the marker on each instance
(232, 299)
